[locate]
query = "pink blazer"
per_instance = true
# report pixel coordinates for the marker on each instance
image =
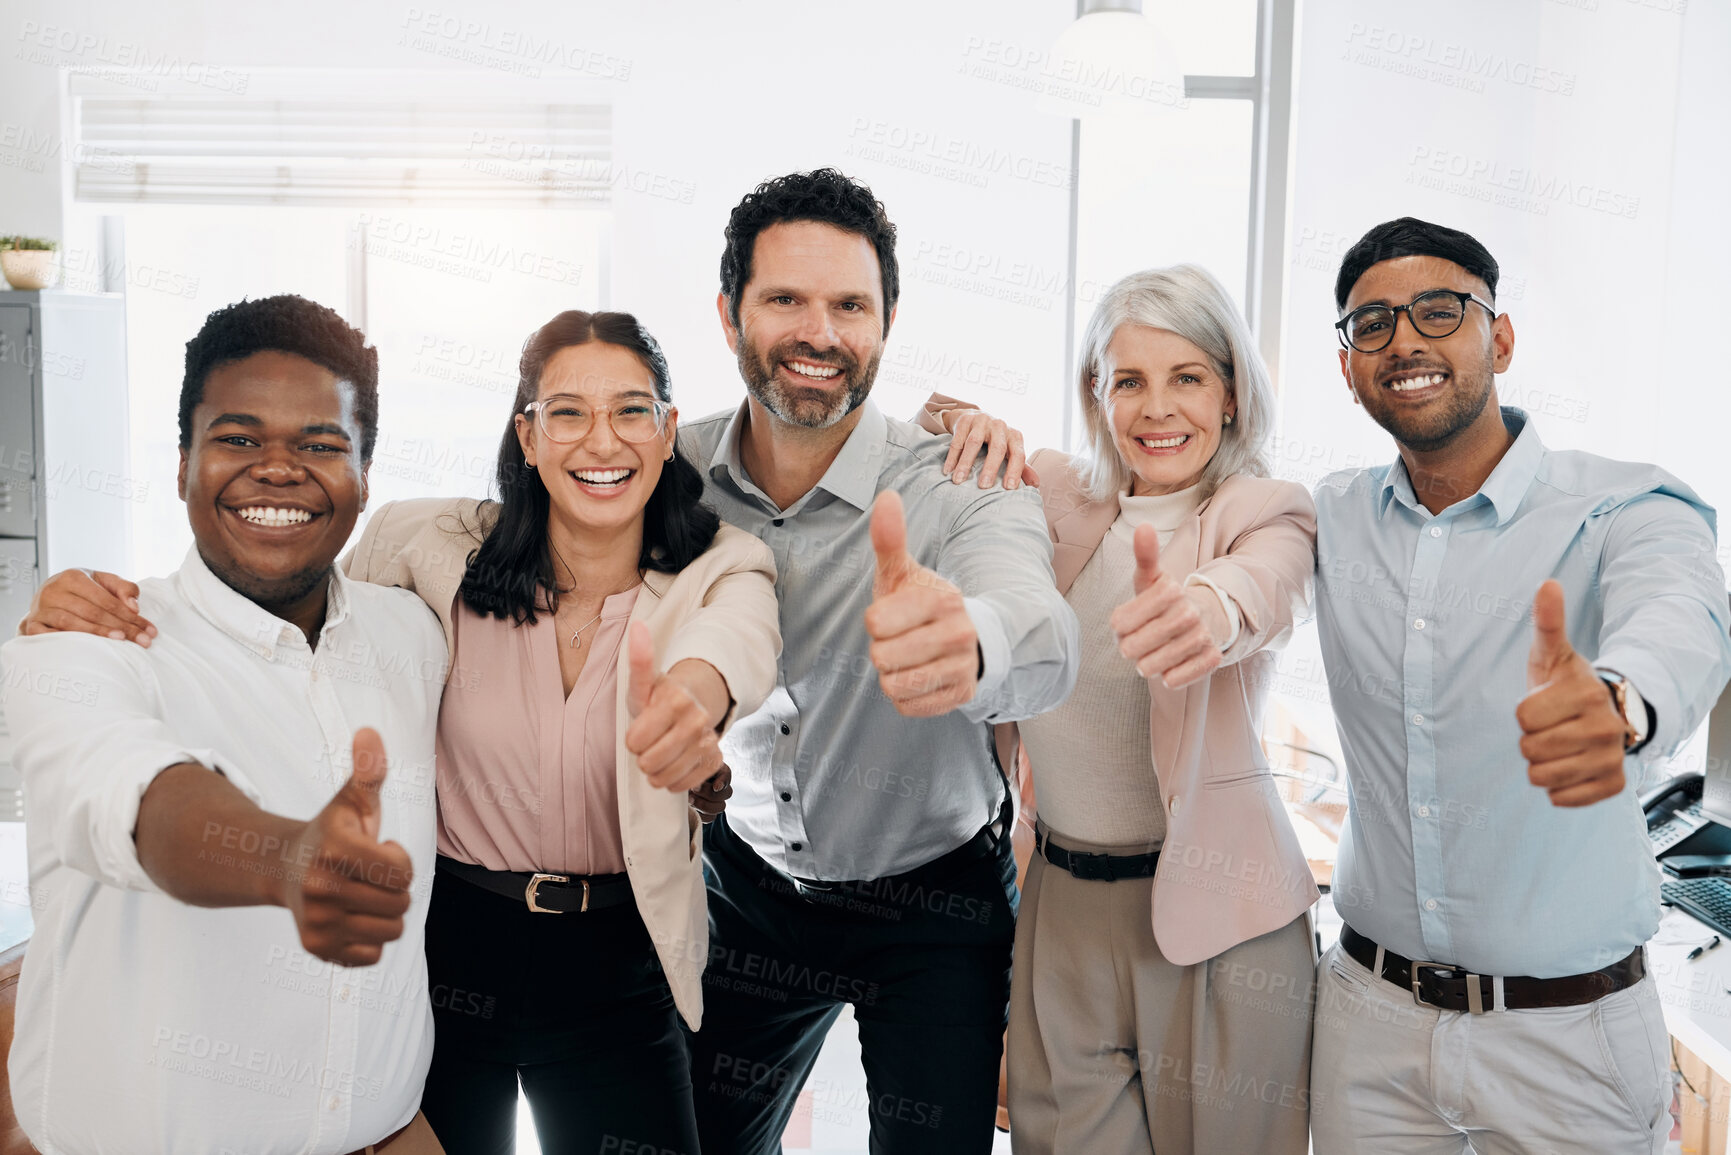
(1231, 867)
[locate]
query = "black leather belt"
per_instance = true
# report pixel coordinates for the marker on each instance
(1453, 988)
(1096, 867)
(545, 893)
(984, 842)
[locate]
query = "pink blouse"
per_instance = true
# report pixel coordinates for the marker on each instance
(527, 776)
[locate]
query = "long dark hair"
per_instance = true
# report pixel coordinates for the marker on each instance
(512, 572)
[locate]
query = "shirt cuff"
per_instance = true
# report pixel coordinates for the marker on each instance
(1233, 617)
(994, 647)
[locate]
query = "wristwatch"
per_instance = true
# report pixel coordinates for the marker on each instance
(1633, 709)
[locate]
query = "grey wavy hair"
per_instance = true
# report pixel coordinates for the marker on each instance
(1188, 301)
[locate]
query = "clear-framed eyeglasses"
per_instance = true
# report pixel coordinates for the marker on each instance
(566, 418)
(1436, 314)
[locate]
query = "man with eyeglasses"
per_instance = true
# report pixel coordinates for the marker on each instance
(1505, 626)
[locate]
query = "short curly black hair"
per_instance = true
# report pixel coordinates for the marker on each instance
(1411, 237)
(284, 324)
(823, 195)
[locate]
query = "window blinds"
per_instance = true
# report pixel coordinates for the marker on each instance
(184, 149)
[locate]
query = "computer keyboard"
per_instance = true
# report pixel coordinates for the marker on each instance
(1708, 899)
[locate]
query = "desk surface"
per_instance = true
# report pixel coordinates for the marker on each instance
(1696, 995)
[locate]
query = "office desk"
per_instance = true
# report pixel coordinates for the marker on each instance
(1694, 994)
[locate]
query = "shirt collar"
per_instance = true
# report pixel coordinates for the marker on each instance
(852, 476)
(1508, 483)
(245, 620)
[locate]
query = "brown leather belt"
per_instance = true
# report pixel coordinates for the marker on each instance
(373, 1148)
(1452, 988)
(544, 893)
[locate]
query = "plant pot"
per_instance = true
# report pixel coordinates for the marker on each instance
(29, 268)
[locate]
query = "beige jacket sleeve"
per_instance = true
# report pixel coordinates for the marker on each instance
(377, 556)
(1268, 570)
(737, 628)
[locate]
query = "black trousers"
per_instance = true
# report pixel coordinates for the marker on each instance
(574, 1005)
(923, 959)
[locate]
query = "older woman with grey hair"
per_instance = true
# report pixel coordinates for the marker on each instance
(1161, 993)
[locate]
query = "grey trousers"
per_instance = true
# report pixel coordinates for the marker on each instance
(1113, 1050)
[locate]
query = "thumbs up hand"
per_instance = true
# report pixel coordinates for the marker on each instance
(674, 716)
(924, 645)
(1571, 733)
(1166, 630)
(348, 891)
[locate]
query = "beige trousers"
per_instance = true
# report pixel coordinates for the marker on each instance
(1396, 1078)
(1113, 1050)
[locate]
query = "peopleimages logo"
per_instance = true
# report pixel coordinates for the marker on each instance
(1459, 65)
(1513, 186)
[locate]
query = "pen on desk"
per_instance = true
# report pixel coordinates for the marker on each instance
(1703, 948)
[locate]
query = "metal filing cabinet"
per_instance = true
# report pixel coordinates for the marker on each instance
(66, 489)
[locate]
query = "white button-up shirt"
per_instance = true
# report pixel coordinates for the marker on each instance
(148, 1025)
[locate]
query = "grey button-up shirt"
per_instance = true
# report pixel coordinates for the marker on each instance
(829, 781)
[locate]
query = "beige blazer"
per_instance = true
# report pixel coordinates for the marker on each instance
(1231, 867)
(721, 608)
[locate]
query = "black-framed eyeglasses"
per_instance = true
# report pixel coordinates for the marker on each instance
(1437, 314)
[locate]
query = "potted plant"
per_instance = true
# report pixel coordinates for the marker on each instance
(28, 262)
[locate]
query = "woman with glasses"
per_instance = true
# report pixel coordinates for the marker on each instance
(1161, 992)
(604, 628)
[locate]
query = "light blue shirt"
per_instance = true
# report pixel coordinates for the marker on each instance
(1450, 854)
(829, 781)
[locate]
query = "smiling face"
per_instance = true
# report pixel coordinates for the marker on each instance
(1166, 404)
(811, 322)
(1426, 390)
(601, 482)
(273, 480)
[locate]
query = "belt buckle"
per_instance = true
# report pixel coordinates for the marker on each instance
(1095, 867)
(1475, 997)
(535, 881)
(805, 889)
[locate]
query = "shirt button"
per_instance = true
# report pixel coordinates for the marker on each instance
(335, 1104)
(1418, 624)
(1430, 904)
(343, 994)
(776, 522)
(1436, 531)
(797, 846)
(1418, 719)
(785, 729)
(1174, 806)
(786, 797)
(1424, 812)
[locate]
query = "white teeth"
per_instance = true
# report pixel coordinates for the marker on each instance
(1409, 383)
(811, 371)
(601, 476)
(271, 515)
(1164, 442)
